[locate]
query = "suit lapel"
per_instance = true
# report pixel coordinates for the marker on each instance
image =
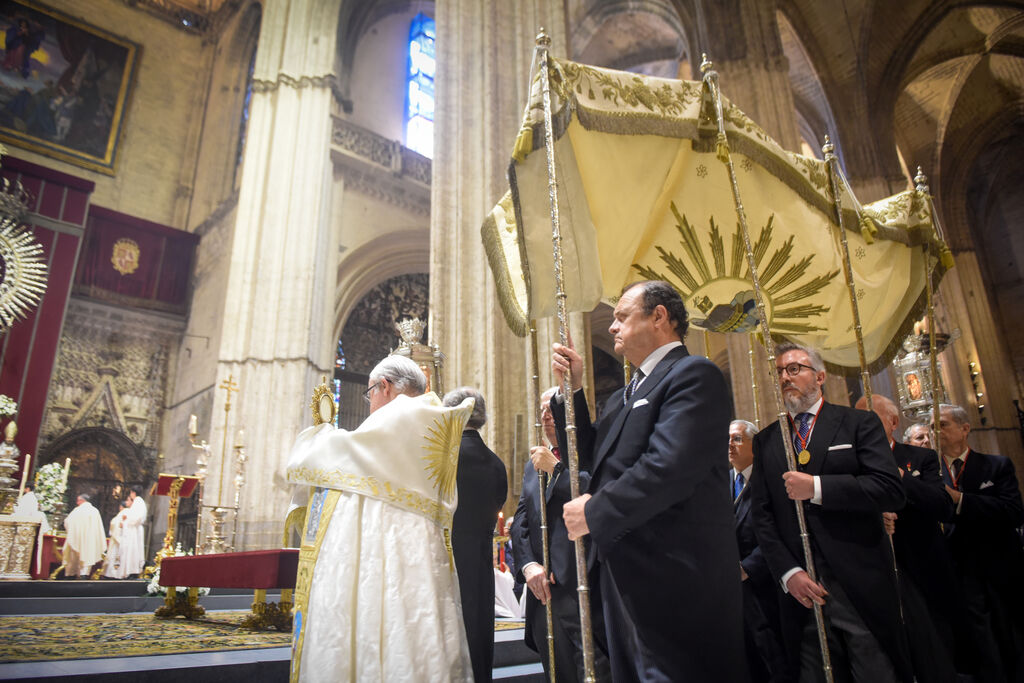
(823, 436)
(645, 388)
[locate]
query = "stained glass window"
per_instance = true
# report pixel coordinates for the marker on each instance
(419, 101)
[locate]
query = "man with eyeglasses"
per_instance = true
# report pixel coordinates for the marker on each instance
(366, 608)
(845, 479)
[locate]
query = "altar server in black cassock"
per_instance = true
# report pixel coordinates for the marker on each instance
(482, 486)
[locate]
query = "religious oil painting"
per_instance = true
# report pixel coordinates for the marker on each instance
(64, 85)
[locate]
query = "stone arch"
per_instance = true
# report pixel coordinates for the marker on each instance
(647, 36)
(401, 252)
(104, 463)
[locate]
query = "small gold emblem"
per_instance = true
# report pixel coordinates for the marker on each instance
(125, 256)
(804, 457)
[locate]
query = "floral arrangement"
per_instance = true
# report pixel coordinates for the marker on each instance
(50, 486)
(154, 587)
(7, 405)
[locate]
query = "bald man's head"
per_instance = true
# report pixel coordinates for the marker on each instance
(886, 410)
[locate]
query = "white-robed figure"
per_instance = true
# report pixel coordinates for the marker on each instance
(133, 534)
(86, 540)
(113, 563)
(377, 595)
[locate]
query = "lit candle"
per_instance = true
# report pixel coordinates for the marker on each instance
(193, 425)
(24, 473)
(240, 439)
(67, 468)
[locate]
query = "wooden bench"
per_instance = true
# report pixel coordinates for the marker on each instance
(260, 570)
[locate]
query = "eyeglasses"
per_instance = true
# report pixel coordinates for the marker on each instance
(366, 394)
(793, 369)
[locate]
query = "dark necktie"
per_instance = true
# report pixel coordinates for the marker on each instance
(803, 427)
(737, 486)
(958, 465)
(633, 383)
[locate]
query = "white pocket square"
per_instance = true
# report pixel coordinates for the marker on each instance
(840, 446)
(916, 473)
(641, 402)
(986, 485)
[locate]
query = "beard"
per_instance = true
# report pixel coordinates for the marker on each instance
(800, 402)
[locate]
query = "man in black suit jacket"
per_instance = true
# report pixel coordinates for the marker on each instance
(657, 509)
(846, 479)
(985, 546)
(765, 657)
(482, 487)
(931, 610)
(559, 584)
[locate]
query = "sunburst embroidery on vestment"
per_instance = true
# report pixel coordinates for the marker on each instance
(708, 286)
(442, 456)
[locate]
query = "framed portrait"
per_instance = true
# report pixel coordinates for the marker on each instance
(64, 85)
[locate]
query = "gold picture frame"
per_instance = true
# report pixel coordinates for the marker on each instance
(64, 85)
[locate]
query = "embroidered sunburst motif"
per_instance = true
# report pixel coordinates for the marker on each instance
(442, 456)
(715, 280)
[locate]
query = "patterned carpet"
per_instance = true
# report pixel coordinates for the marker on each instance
(37, 638)
(40, 638)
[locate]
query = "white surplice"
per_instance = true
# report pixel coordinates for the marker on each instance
(384, 600)
(113, 562)
(133, 552)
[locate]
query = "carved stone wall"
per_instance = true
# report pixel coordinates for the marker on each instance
(111, 372)
(370, 333)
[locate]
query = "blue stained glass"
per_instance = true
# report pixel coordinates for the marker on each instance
(419, 106)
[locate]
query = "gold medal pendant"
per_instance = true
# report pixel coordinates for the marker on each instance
(804, 457)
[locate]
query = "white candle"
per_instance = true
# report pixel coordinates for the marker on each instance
(24, 473)
(67, 468)
(193, 425)
(240, 439)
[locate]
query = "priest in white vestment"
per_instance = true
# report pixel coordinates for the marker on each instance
(133, 534)
(378, 596)
(86, 540)
(113, 563)
(27, 508)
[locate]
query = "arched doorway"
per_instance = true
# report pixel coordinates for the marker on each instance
(104, 464)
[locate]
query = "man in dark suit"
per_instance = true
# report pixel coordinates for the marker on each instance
(657, 509)
(845, 480)
(930, 608)
(482, 487)
(765, 657)
(559, 584)
(985, 546)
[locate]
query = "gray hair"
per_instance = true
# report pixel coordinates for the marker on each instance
(478, 418)
(401, 372)
(85, 496)
(749, 428)
(958, 414)
(816, 361)
(909, 431)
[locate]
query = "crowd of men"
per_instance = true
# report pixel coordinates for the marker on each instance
(697, 571)
(122, 553)
(917, 561)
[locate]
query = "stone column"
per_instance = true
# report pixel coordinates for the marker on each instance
(275, 339)
(484, 52)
